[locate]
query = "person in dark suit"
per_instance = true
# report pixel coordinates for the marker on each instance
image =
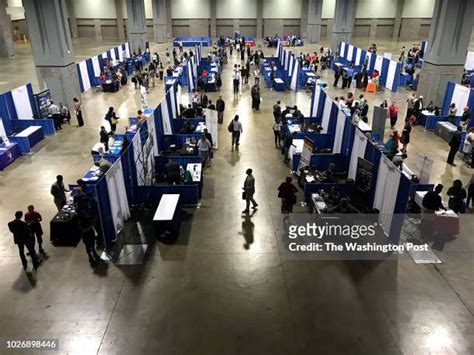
(454, 144)
(22, 237)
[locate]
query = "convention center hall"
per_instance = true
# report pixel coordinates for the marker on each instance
(236, 177)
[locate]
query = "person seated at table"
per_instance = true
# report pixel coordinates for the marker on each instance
(172, 173)
(328, 175)
(102, 78)
(187, 127)
(391, 147)
(141, 116)
(169, 71)
(457, 195)
(189, 112)
(333, 196)
(64, 112)
(204, 73)
(432, 200)
(104, 166)
(344, 207)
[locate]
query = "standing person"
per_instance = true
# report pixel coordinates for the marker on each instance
(86, 226)
(393, 114)
(470, 192)
(112, 118)
(277, 131)
(288, 144)
(104, 138)
(59, 192)
(405, 137)
(220, 107)
(457, 195)
(277, 110)
(78, 109)
(235, 127)
(23, 238)
(34, 219)
(236, 80)
(454, 145)
(337, 75)
(255, 93)
(204, 148)
(53, 110)
(161, 70)
(249, 191)
(287, 193)
(452, 113)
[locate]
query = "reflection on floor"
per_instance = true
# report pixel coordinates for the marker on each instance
(223, 286)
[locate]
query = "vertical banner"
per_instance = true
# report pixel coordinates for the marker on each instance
(378, 121)
(294, 75)
(305, 154)
(166, 118)
(315, 101)
(84, 75)
(152, 134)
(96, 66)
(423, 168)
(341, 121)
(3, 133)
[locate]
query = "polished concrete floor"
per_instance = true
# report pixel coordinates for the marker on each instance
(224, 287)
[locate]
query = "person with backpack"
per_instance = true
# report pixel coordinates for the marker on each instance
(235, 127)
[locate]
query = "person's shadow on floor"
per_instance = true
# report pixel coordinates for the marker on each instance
(248, 229)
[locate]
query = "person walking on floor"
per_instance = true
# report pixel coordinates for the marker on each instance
(59, 192)
(78, 110)
(393, 114)
(277, 110)
(255, 93)
(235, 127)
(470, 192)
(220, 107)
(236, 80)
(249, 191)
(34, 219)
(454, 145)
(104, 138)
(86, 226)
(287, 192)
(23, 238)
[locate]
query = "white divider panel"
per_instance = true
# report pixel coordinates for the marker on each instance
(120, 58)
(86, 83)
(117, 195)
(350, 52)
(294, 75)
(172, 94)
(358, 56)
(127, 50)
(386, 190)
(104, 55)
(460, 97)
(469, 61)
(367, 60)
(96, 65)
(22, 104)
(3, 133)
(166, 118)
(392, 70)
(326, 114)
(341, 120)
(152, 133)
(378, 63)
(290, 66)
(314, 107)
(343, 49)
(358, 151)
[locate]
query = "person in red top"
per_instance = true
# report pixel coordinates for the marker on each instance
(396, 138)
(393, 114)
(287, 191)
(34, 219)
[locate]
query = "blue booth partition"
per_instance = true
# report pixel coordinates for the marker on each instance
(190, 41)
(322, 161)
(47, 124)
(151, 195)
(346, 190)
(179, 122)
(181, 160)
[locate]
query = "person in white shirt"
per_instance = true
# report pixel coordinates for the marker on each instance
(143, 97)
(277, 132)
(55, 115)
(235, 127)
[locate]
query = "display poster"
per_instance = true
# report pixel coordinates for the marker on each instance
(423, 168)
(305, 154)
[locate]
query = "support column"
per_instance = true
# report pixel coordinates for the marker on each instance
(448, 42)
(169, 22)
(159, 21)
(72, 19)
(315, 9)
(136, 24)
(51, 43)
(236, 26)
(259, 20)
(398, 20)
(98, 29)
(120, 23)
(213, 23)
(304, 19)
(343, 22)
(7, 46)
(373, 29)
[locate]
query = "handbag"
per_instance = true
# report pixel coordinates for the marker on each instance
(230, 127)
(244, 195)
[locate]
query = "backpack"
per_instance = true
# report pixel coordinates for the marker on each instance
(230, 127)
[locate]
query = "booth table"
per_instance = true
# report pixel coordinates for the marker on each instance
(279, 84)
(318, 202)
(445, 130)
(91, 175)
(28, 138)
(169, 83)
(8, 154)
(210, 84)
(429, 120)
(364, 127)
(63, 227)
(168, 214)
(293, 127)
(109, 86)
